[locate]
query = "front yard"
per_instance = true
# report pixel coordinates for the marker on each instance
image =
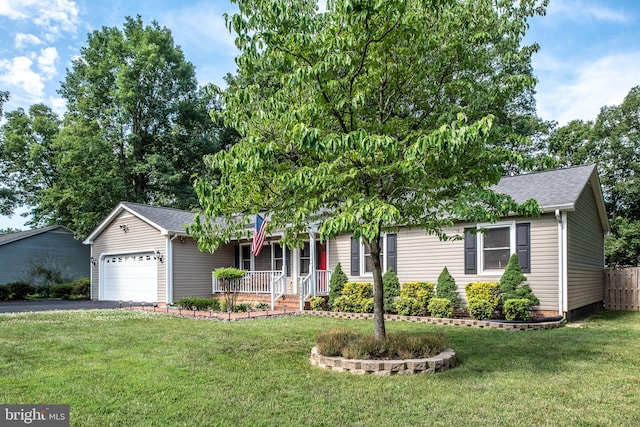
(133, 368)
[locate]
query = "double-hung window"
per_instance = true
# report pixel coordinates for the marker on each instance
(488, 247)
(361, 255)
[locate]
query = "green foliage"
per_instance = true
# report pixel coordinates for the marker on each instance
(223, 305)
(391, 290)
(356, 297)
(8, 230)
(446, 287)
(482, 299)
(318, 303)
(262, 306)
(414, 298)
(373, 119)
(202, 304)
(81, 288)
(511, 283)
(5, 294)
(242, 307)
(622, 245)
(61, 290)
(352, 345)
(229, 273)
(19, 290)
(440, 307)
(517, 309)
(336, 284)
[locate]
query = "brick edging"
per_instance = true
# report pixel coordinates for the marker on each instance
(438, 363)
(494, 324)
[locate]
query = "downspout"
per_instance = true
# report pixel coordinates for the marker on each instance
(561, 217)
(169, 252)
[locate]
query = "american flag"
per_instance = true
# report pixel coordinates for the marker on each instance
(258, 235)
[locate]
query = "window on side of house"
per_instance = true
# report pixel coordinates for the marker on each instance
(496, 248)
(366, 269)
(305, 258)
(488, 251)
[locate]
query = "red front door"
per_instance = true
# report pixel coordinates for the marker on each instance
(322, 256)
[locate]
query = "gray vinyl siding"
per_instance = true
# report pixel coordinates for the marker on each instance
(422, 257)
(56, 249)
(141, 237)
(192, 269)
(585, 257)
(263, 261)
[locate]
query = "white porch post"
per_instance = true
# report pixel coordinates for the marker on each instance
(312, 262)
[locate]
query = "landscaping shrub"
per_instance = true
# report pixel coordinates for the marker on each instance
(482, 299)
(517, 309)
(440, 307)
(263, 306)
(42, 291)
(223, 305)
(227, 278)
(446, 288)
(61, 290)
(243, 307)
(336, 284)
(202, 304)
(391, 290)
(414, 298)
(512, 283)
(4, 293)
(357, 297)
(19, 290)
(332, 341)
(318, 303)
(352, 345)
(48, 272)
(81, 288)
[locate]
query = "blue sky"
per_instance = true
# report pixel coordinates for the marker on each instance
(589, 49)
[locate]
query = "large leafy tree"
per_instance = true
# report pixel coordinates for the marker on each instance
(378, 114)
(136, 129)
(613, 143)
(28, 156)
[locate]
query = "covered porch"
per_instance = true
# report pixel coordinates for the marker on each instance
(280, 272)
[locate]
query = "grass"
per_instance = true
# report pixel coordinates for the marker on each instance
(145, 369)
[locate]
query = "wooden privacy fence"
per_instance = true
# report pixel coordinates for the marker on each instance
(622, 288)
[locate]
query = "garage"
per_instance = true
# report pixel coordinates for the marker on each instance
(130, 277)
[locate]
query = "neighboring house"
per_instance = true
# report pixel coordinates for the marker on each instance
(53, 247)
(142, 253)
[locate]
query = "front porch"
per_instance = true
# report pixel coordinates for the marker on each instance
(275, 287)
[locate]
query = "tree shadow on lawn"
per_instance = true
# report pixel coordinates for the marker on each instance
(609, 335)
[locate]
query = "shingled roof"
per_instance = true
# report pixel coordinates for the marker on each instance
(554, 189)
(19, 235)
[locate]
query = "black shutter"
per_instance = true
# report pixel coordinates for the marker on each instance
(355, 257)
(470, 251)
(523, 246)
(392, 252)
(236, 256)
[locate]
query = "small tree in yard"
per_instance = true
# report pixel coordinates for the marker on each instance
(336, 284)
(366, 117)
(228, 278)
(446, 288)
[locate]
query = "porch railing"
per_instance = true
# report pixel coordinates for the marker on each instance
(254, 282)
(307, 287)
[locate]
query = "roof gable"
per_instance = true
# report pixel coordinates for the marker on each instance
(20, 235)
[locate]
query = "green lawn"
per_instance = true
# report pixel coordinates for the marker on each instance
(130, 368)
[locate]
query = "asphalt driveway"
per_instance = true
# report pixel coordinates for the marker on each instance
(24, 306)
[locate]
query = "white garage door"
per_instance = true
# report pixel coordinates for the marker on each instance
(132, 277)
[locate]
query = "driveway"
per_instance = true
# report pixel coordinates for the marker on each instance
(24, 306)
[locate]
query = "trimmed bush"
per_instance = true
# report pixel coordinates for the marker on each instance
(446, 288)
(440, 307)
(517, 309)
(61, 290)
(318, 303)
(512, 283)
(243, 307)
(357, 297)
(391, 290)
(482, 299)
(4, 293)
(81, 288)
(408, 306)
(199, 303)
(336, 284)
(19, 290)
(352, 345)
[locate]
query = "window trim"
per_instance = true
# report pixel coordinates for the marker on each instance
(480, 245)
(241, 259)
(363, 261)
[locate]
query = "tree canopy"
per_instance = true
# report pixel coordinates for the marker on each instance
(136, 129)
(379, 114)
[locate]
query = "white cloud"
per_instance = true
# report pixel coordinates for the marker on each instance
(54, 16)
(579, 91)
(58, 105)
(47, 61)
(22, 40)
(580, 10)
(17, 73)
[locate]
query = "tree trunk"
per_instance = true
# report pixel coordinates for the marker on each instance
(378, 290)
